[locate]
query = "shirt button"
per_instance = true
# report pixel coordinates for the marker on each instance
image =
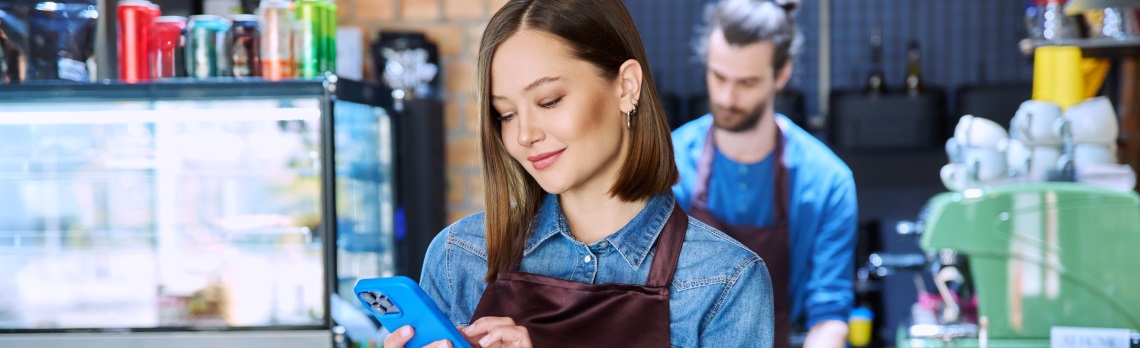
(604, 244)
(743, 187)
(587, 259)
(743, 170)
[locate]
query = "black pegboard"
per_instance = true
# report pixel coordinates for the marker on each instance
(965, 42)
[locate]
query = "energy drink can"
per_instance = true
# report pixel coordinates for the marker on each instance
(135, 17)
(246, 47)
(310, 15)
(207, 47)
(276, 21)
(167, 45)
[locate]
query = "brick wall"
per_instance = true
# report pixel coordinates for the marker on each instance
(454, 25)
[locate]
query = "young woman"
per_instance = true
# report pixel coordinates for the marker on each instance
(582, 243)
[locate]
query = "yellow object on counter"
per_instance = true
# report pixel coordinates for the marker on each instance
(1062, 76)
(859, 327)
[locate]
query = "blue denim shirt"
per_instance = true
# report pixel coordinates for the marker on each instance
(721, 295)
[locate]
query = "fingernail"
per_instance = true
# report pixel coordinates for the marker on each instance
(485, 341)
(406, 332)
(466, 329)
(442, 345)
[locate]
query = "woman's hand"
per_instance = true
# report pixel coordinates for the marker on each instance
(404, 334)
(497, 332)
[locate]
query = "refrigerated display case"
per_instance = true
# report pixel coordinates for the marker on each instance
(191, 213)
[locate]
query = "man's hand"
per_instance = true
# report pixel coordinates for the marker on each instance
(827, 334)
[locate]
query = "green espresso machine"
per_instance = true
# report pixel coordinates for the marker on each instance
(1034, 257)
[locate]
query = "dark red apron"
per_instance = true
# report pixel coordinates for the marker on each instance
(769, 242)
(561, 313)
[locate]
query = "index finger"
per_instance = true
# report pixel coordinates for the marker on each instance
(484, 324)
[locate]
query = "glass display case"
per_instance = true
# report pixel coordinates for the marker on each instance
(191, 206)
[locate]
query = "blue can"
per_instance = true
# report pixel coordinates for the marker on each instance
(208, 42)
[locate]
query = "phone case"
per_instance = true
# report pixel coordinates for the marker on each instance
(398, 301)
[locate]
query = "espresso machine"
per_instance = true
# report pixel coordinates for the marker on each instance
(1010, 263)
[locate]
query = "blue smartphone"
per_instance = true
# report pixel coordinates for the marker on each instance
(398, 301)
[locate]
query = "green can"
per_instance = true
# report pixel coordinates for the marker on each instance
(330, 36)
(309, 46)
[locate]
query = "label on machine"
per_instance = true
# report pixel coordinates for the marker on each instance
(1082, 337)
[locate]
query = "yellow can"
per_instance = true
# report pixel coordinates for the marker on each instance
(859, 327)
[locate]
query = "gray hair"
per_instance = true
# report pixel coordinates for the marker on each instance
(745, 22)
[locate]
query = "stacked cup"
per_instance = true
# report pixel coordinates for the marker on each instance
(1093, 127)
(1037, 139)
(977, 153)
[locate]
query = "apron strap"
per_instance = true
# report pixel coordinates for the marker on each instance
(780, 198)
(704, 170)
(668, 249)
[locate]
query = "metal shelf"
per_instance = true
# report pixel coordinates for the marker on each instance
(219, 88)
(1099, 47)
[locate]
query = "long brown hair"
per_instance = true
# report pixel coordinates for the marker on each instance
(602, 33)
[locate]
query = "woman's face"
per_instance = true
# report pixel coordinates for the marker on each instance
(560, 119)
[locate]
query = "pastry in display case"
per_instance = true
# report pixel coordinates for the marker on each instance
(190, 206)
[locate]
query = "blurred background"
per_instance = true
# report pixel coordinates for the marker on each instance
(221, 172)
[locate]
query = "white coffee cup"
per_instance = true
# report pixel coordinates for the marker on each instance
(988, 164)
(1037, 123)
(979, 132)
(1094, 154)
(1093, 121)
(1042, 160)
(1017, 156)
(978, 165)
(954, 176)
(954, 150)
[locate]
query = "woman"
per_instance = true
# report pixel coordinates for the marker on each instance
(582, 243)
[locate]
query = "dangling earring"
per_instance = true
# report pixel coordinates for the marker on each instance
(629, 117)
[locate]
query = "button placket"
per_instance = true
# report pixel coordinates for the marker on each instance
(589, 264)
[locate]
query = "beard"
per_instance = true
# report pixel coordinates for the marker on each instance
(735, 119)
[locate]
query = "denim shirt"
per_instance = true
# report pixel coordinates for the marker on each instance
(721, 294)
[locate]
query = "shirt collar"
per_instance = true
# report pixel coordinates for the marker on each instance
(633, 241)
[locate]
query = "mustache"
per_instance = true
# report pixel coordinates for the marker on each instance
(717, 109)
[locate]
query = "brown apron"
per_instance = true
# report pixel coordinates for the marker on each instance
(561, 313)
(769, 242)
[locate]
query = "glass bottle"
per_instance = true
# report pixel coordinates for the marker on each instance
(875, 80)
(914, 84)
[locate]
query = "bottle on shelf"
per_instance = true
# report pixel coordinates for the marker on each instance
(875, 80)
(914, 85)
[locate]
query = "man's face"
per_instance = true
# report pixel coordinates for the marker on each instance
(741, 82)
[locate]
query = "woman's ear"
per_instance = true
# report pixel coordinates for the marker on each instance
(629, 86)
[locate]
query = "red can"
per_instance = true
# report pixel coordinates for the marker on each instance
(135, 20)
(166, 47)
